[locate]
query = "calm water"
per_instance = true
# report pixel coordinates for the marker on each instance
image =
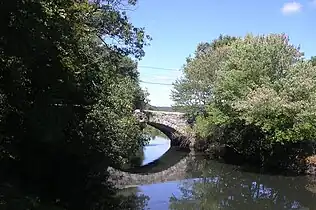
(156, 148)
(207, 184)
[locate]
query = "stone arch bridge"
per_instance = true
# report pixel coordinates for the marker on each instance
(172, 165)
(173, 124)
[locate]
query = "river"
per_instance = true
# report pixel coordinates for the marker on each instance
(209, 184)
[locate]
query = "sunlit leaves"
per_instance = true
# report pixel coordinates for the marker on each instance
(269, 86)
(313, 60)
(195, 89)
(263, 81)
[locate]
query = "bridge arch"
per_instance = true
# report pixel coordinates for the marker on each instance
(172, 124)
(169, 166)
(175, 137)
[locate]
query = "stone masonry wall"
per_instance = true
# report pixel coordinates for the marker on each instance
(175, 120)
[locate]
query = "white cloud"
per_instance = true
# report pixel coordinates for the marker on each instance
(291, 8)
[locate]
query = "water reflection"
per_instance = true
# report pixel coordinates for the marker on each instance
(208, 184)
(214, 185)
(155, 149)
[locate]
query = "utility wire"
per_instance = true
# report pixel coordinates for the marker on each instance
(152, 67)
(155, 83)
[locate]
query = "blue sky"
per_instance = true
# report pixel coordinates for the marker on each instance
(177, 26)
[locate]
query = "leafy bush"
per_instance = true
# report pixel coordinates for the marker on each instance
(261, 93)
(265, 82)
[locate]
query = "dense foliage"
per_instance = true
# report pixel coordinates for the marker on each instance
(68, 91)
(193, 91)
(261, 92)
(313, 60)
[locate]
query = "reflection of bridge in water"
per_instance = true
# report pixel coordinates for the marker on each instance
(221, 183)
(171, 166)
(229, 180)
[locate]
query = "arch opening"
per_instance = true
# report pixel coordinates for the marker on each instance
(174, 136)
(158, 145)
(168, 158)
(177, 152)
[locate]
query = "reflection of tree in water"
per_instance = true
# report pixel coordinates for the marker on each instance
(225, 187)
(16, 194)
(132, 198)
(136, 160)
(134, 201)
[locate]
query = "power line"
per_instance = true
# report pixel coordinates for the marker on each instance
(152, 67)
(159, 76)
(155, 83)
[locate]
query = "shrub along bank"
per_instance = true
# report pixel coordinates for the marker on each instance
(254, 96)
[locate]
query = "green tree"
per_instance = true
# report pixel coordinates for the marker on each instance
(266, 83)
(313, 60)
(260, 94)
(67, 100)
(194, 90)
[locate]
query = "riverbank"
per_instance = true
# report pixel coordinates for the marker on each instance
(293, 158)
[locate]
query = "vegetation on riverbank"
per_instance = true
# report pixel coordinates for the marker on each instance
(255, 95)
(69, 85)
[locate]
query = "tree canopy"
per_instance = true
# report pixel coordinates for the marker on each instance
(313, 60)
(256, 87)
(194, 90)
(68, 89)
